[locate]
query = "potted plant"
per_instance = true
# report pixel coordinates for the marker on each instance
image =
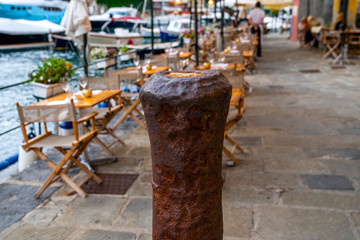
(46, 77)
(187, 36)
(102, 57)
(123, 50)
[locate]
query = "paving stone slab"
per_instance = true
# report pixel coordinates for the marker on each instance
(122, 164)
(327, 182)
(293, 153)
(300, 166)
(348, 168)
(330, 153)
(247, 140)
(39, 171)
(344, 141)
(247, 163)
(41, 215)
(263, 180)
(145, 237)
(138, 214)
(356, 219)
(322, 200)
(140, 151)
(145, 177)
(238, 221)
(37, 232)
(249, 197)
(294, 141)
(141, 190)
(283, 223)
(17, 200)
(349, 131)
(95, 209)
(106, 235)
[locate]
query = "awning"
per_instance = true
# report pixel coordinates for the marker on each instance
(268, 4)
(276, 4)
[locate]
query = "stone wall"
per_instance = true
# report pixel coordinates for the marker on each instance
(320, 9)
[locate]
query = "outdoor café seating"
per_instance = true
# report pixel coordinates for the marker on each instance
(106, 113)
(71, 146)
(130, 101)
(331, 41)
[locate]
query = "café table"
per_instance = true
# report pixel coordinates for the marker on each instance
(79, 100)
(98, 96)
(217, 66)
(145, 71)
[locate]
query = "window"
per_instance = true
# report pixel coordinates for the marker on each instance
(12, 8)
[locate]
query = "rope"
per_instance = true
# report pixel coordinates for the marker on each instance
(7, 131)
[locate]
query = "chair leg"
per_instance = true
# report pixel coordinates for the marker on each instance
(103, 145)
(128, 111)
(236, 146)
(230, 155)
(57, 172)
(81, 166)
(72, 184)
(111, 132)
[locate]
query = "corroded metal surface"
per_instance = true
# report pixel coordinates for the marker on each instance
(186, 115)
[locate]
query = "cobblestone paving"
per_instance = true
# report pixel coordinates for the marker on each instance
(299, 177)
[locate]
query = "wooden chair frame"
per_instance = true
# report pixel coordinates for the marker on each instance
(332, 40)
(128, 105)
(101, 124)
(70, 156)
(237, 101)
(102, 120)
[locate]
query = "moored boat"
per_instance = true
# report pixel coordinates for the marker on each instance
(17, 34)
(174, 29)
(51, 10)
(119, 17)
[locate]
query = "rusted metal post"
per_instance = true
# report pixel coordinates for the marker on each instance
(185, 114)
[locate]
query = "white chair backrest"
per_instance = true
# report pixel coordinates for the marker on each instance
(48, 113)
(104, 83)
(173, 61)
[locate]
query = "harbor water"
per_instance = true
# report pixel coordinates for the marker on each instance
(15, 67)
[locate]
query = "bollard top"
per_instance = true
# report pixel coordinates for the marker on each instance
(182, 86)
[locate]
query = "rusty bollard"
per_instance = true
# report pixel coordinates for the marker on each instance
(185, 114)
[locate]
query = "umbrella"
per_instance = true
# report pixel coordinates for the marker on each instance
(77, 24)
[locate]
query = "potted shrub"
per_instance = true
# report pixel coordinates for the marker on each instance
(46, 77)
(187, 36)
(100, 57)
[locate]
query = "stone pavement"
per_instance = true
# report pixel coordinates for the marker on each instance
(299, 177)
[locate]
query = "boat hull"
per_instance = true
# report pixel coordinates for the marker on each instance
(96, 25)
(6, 39)
(167, 36)
(34, 13)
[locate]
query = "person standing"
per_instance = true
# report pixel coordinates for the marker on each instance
(256, 19)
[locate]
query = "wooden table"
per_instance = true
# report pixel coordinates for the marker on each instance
(82, 102)
(181, 54)
(217, 66)
(145, 71)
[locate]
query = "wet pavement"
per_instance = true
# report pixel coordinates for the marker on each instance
(299, 177)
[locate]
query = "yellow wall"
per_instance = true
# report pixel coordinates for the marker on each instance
(351, 14)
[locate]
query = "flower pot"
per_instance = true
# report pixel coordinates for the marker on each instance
(46, 90)
(187, 40)
(104, 63)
